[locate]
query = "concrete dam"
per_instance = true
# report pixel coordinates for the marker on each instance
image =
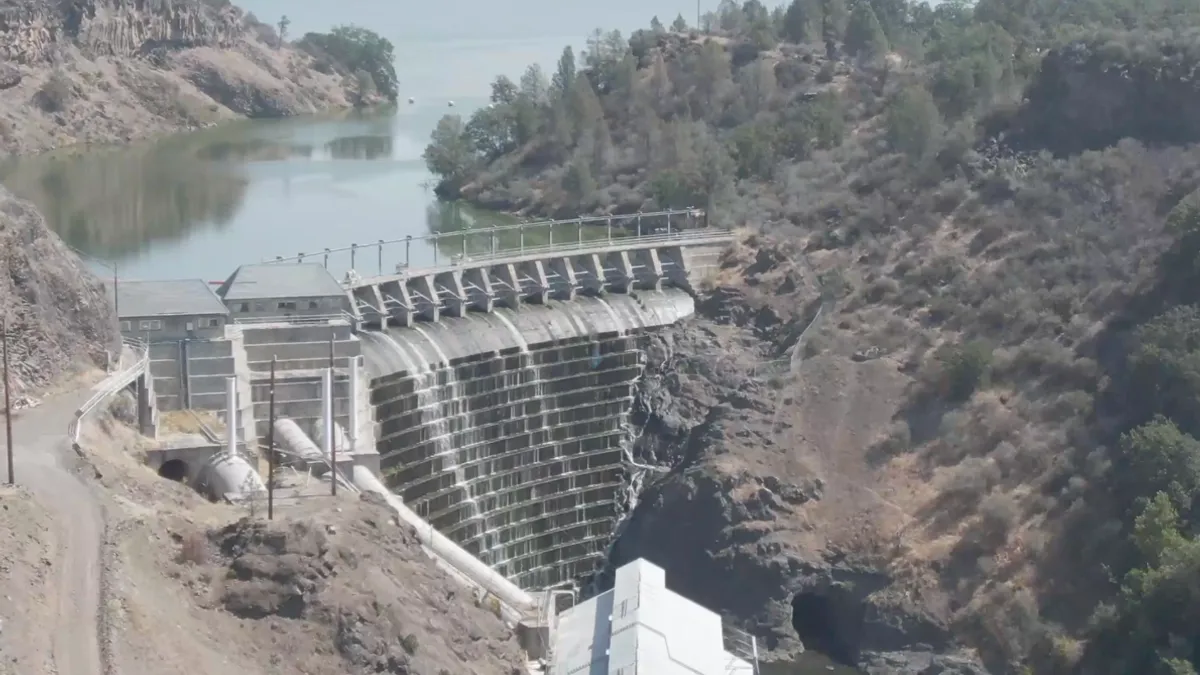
(507, 431)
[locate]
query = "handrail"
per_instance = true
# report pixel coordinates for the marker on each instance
(111, 385)
(649, 241)
(497, 229)
(309, 319)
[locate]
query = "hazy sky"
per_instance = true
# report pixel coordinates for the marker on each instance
(474, 19)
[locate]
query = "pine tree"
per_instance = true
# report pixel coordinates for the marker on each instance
(801, 21)
(864, 34)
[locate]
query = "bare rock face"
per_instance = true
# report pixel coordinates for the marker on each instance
(28, 30)
(59, 315)
(1089, 95)
(31, 29)
(123, 27)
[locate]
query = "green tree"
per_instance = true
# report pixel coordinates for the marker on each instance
(492, 131)
(656, 26)
(964, 369)
(282, 27)
(1162, 458)
(578, 181)
(1164, 374)
(450, 155)
(679, 25)
(802, 21)
(1156, 529)
(354, 48)
(504, 91)
(913, 123)
(833, 19)
(564, 76)
(864, 34)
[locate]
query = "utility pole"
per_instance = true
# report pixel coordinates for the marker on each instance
(271, 445)
(7, 401)
(333, 474)
(116, 296)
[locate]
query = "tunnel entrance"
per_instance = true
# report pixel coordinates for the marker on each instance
(829, 622)
(174, 469)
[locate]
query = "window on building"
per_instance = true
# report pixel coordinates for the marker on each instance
(126, 325)
(258, 307)
(244, 307)
(287, 305)
(213, 323)
(153, 324)
(314, 304)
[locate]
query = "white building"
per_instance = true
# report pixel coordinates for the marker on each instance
(641, 628)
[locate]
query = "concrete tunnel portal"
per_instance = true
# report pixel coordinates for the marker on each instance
(174, 469)
(508, 431)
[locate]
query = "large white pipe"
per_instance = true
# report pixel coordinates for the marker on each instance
(289, 435)
(231, 415)
(353, 424)
(447, 550)
(340, 440)
(327, 411)
(231, 474)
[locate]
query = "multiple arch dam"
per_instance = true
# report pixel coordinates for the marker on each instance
(501, 385)
(507, 431)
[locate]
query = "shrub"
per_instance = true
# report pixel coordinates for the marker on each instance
(57, 93)
(999, 512)
(965, 368)
(410, 644)
(193, 549)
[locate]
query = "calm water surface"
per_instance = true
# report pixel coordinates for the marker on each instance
(198, 205)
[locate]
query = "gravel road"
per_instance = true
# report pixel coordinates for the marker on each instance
(46, 466)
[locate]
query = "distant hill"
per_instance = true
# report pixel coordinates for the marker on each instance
(991, 443)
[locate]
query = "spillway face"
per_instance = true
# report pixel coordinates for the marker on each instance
(506, 431)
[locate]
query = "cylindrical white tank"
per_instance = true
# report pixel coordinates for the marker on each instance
(227, 474)
(464, 562)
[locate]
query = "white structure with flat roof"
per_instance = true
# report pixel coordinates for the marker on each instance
(641, 628)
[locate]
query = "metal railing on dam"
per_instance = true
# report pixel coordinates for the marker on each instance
(513, 239)
(506, 430)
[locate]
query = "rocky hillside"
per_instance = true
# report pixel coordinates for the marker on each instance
(100, 71)
(59, 316)
(982, 455)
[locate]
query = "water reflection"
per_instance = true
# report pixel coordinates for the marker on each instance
(360, 147)
(110, 203)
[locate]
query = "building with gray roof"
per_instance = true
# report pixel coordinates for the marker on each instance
(177, 309)
(279, 290)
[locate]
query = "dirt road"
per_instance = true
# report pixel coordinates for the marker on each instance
(45, 465)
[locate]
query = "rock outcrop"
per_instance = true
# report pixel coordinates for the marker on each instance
(103, 71)
(771, 517)
(30, 30)
(1090, 94)
(59, 315)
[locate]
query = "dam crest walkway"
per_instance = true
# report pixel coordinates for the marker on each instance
(510, 265)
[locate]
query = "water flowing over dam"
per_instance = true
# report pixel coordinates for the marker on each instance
(507, 431)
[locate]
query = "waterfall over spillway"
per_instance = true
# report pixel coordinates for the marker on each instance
(507, 430)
